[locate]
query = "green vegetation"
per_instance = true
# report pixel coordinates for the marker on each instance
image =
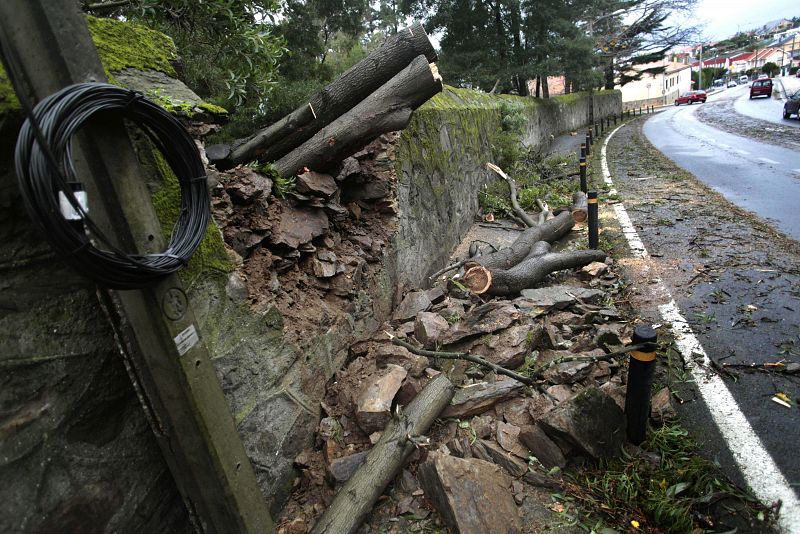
(668, 487)
(124, 45)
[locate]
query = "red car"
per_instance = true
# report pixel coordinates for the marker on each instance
(761, 88)
(691, 97)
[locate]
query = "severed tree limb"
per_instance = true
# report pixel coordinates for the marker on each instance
(539, 371)
(527, 219)
(533, 270)
(463, 356)
(386, 110)
(336, 98)
(399, 439)
(531, 379)
(451, 267)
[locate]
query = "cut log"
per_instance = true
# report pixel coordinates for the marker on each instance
(387, 109)
(531, 271)
(338, 97)
(580, 207)
(356, 498)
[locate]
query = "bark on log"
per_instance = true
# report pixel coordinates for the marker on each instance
(356, 498)
(580, 207)
(549, 231)
(386, 110)
(531, 271)
(338, 97)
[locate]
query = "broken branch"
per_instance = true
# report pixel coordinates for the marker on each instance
(529, 222)
(463, 356)
(356, 498)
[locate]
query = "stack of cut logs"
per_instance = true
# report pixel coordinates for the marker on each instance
(375, 96)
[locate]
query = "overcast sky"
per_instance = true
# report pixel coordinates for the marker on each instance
(723, 18)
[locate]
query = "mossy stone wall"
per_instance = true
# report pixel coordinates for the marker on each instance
(441, 164)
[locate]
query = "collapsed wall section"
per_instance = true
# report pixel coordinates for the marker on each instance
(441, 158)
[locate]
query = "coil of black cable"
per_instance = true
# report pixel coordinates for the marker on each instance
(44, 169)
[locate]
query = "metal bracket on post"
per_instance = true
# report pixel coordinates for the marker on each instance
(156, 329)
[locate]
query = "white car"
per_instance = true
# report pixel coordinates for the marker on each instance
(732, 83)
(743, 79)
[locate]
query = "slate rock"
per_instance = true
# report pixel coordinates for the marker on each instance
(541, 446)
(616, 392)
(325, 264)
(298, 225)
(561, 296)
(472, 496)
(591, 421)
(560, 392)
(315, 183)
(610, 334)
(568, 372)
(485, 319)
(515, 411)
(411, 305)
(386, 353)
(508, 438)
(341, 469)
(436, 294)
(478, 398)
(662, 408)
(429, 328)
(375, 401)
(247, 185)
(491, 452)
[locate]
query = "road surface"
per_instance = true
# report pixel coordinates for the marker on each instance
(756, 175)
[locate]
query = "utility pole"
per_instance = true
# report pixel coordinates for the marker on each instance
(700, 73)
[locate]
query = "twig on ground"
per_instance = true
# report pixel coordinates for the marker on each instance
(527, 380)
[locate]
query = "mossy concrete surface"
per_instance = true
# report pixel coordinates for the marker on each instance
(441, 164)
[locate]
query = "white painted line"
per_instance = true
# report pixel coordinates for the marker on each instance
(796, 171)
(742, 152)
(767, 160)
(759, 470)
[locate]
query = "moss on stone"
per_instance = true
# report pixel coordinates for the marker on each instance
(124, 45)
(211, 254)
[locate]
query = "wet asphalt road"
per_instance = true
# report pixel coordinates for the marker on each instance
(757, 176)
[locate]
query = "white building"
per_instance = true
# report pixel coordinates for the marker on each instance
(658, 89)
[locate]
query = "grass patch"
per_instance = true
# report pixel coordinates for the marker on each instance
(667, 487)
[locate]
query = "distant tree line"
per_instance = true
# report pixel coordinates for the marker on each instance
(261, 58)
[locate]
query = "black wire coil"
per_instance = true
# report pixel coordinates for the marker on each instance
(44, 168)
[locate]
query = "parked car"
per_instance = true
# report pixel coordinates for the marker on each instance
(792, 106)
(763, 76)
(732, 83)
(743, 79)
(761, 87)
(691, 97)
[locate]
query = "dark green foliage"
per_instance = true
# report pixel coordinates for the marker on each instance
(770, 68)
(675, 490)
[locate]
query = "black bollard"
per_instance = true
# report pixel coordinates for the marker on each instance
(615, 119)
(582, 168)
(602, 127)
(588, 145)
(640, 377)
(596, 131)
(591, 206)
(583, 151)
(591, 136)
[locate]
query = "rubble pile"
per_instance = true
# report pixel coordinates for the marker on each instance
(310, 244)
(492, 458)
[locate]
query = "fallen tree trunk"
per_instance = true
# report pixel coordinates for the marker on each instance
(580, 207)
(338, 97)
(528, 273)
(356, 498)
(386, 110)
(549, 231)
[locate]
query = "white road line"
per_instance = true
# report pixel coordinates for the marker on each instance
(755, 463)
(742, 152)
(767, 160)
